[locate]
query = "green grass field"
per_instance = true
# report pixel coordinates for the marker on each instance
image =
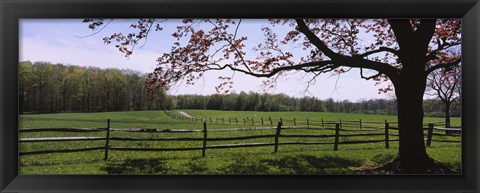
(290, 159)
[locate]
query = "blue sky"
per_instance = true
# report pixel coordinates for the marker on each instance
(59, 41)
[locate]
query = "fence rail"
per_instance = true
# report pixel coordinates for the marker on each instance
(339, 132)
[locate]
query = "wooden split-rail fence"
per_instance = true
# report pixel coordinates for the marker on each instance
(276, 142)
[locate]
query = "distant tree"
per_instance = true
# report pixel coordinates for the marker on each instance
(445, 85)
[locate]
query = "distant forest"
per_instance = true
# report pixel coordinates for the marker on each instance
(52, 88)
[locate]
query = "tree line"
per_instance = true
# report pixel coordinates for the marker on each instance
(47, 88)
(253, 101)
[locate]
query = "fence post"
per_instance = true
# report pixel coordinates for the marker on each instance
(244, 121)
(262, 120)
(429, 134)
(223, 120)
(360, 121)
(308, 123)
(323, 125)
(294, 122)
(281, 120)
(341, 126)
(236, 120)
(337, 133)
(277, 134)
(229, 120)
(386, 135)
(107, 141)
(271, 123)
(210, 119)
(204, 138)
(253, 123)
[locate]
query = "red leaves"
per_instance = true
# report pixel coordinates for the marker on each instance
(94, 23)
(222, 86)
(389, 88)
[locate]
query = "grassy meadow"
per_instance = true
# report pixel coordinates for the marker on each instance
(290, 159)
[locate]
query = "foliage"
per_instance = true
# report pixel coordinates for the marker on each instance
(47, 88)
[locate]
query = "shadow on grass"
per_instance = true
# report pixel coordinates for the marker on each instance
(54, 163)
(301, 164)
(197, 166)
(242, 165)
(137, 166)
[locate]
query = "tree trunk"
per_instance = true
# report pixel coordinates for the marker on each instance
(410, 86)
(410, 122)
(447, 115)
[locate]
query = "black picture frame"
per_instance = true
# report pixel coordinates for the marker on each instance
(11, 11)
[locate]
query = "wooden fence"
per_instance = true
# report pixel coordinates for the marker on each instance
(365, 130)
(264, 121)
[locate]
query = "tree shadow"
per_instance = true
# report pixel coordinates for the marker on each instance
(301, 164)
(243, 165)
(55, 163)
(307, 164)
(197, 166)
(137, 166)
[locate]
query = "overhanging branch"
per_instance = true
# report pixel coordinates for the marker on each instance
(381, 49)
(274, 71)
(349, 61)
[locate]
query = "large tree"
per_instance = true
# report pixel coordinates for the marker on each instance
(401, 52)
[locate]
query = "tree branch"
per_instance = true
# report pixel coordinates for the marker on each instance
(275, 70)
(443, 46)
(97, 31)
(381, 49)
(370, 77)
(444, 65)
(349, 61)
(233, 45)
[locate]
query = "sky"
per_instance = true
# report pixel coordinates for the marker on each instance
(71, 42)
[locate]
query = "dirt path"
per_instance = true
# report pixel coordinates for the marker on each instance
(185, 114)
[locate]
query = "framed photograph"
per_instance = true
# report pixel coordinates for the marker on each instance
(239, 96)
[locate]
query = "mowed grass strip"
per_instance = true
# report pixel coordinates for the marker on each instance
(252, 160)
